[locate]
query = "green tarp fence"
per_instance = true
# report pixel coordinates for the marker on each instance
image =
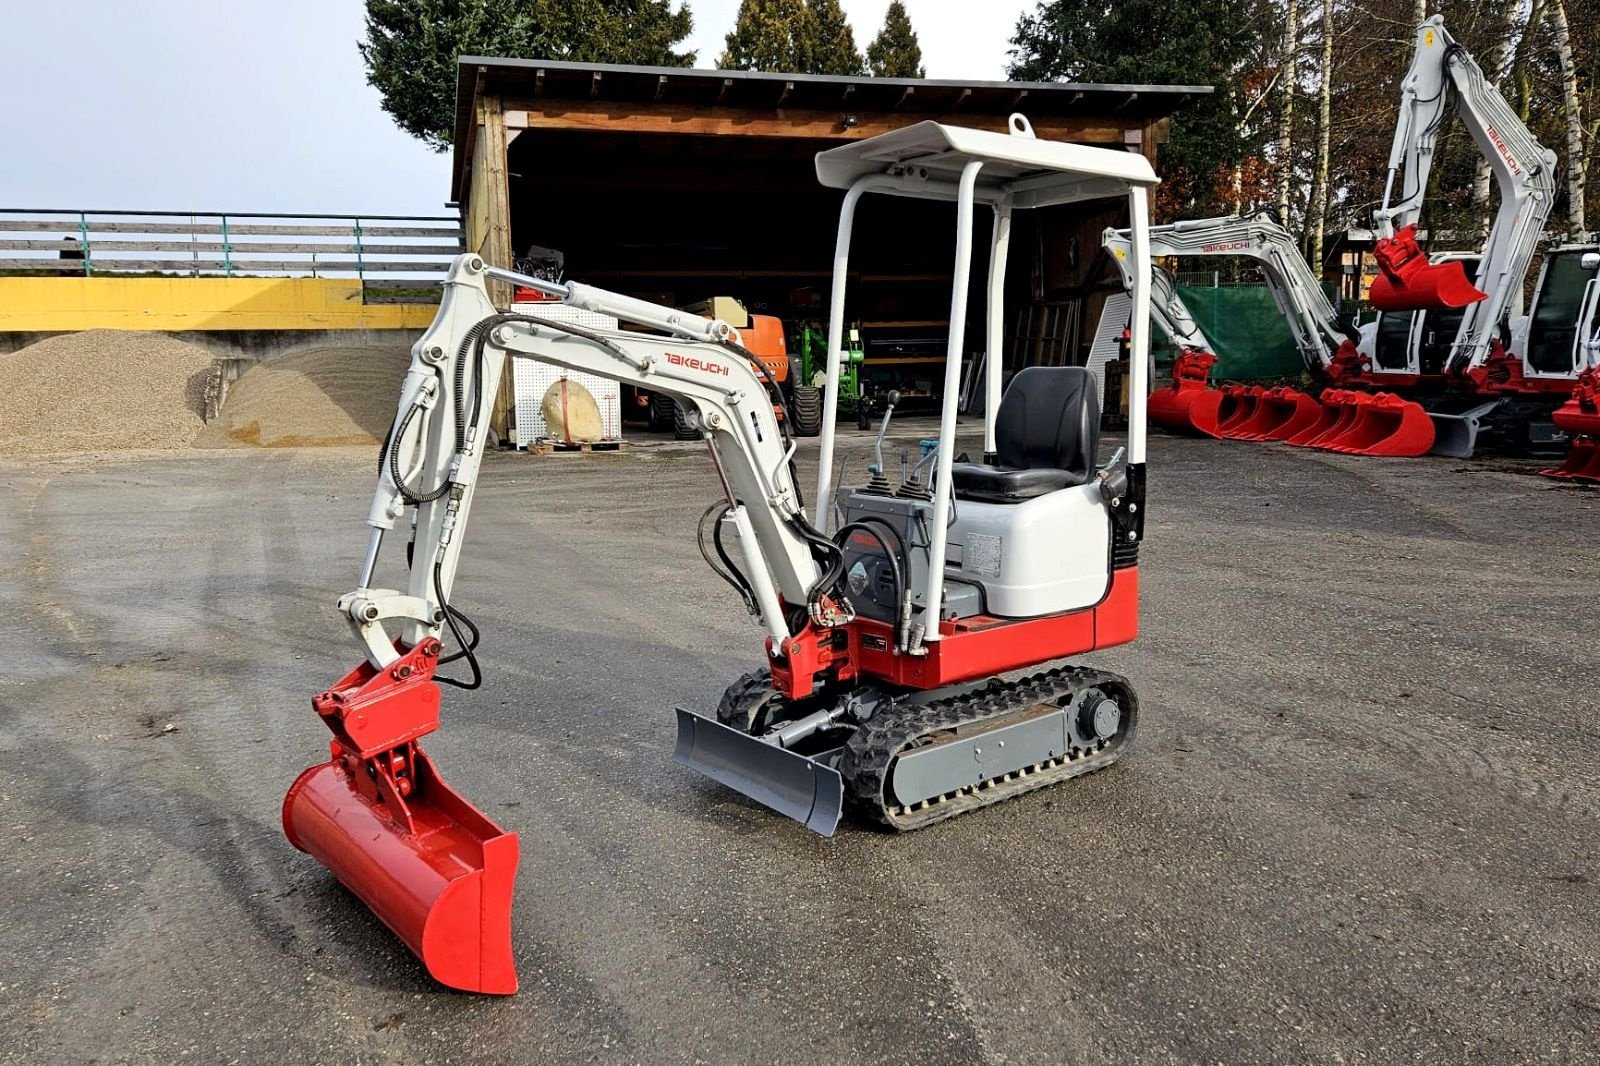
(1251, 340)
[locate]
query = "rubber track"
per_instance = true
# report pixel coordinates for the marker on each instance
(871, 751)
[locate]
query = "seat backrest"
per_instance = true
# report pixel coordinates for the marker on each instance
(1049, 418)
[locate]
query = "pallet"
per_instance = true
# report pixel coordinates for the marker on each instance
(547, 445)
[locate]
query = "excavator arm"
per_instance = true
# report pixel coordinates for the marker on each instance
(434, 868)
(430, 462)
(1443, 75)
(1324, 346)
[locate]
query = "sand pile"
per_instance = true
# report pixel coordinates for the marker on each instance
(317, 396)
(103, 389)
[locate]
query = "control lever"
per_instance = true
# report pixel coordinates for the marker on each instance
(877, 449)
(1113, 478)
(880, 484)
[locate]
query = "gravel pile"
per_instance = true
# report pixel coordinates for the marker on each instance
(100, 390)
(314, 397)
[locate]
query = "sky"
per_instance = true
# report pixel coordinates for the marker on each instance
(263, 105)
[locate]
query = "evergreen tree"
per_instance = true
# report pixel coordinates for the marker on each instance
(773, 35)
(412, 45)
(836, 43)
(1205, 42)
(895, 53)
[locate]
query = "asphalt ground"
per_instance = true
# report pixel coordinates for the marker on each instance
(1360, 822)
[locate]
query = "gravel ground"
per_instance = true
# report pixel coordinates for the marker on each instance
(1360, 822)
(102, 389)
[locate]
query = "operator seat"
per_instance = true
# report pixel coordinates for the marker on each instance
(1046, 437)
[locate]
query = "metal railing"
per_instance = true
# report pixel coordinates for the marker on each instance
(407, 252)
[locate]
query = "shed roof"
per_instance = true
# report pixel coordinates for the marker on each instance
(531, 79)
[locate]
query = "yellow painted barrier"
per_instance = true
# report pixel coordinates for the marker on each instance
(36, 305)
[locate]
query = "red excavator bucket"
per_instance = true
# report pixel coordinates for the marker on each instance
(1188, 404)
(1280, 413)
(1408, 282)
(1582, 462)
(1239, 406)
(1335, 416)
(1580, 417)
(435, 869)
(1384, 424)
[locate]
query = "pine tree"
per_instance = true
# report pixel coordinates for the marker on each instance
(773, 35)
(895, 53)
(412, 45)
(836, 43)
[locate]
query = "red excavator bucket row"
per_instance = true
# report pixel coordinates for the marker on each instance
(1367, 423)
(429, 864)
(1357, 423)
(1253, 412)
(1580, 418)
(1408, 282)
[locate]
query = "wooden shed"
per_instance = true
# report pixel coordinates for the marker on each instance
(678, 185)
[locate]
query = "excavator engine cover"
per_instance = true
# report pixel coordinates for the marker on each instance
(435, 869)
(1408, 282)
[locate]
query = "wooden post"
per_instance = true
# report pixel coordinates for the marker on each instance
(488, 228)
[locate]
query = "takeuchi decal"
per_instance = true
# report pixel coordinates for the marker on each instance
(690, 362)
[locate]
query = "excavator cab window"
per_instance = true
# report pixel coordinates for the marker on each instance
(1439, 329)
(1553, 333)
(1391, 348)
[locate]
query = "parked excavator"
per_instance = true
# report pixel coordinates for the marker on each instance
(890, 609)
(1344, 417)
(1571, 275)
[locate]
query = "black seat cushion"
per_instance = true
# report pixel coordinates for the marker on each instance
(1047, 437)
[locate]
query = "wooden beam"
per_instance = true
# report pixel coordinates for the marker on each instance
(722, 93)
(788, 90)
(1016, 101)
(621, 116)
(494, 214)
(661, 86)
(594, 85)
(961, 99)
(849, 90)
(538, 82)
(1126, 100)
(904, 96)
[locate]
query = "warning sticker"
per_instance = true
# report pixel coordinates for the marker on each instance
(982, 555)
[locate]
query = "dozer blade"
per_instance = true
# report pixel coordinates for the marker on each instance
(1386, 425)
(1186, 410)
(1456, 436)
(807, 790)
(1406, 280)
(443, 885)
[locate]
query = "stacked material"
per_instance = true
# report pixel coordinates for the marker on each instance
(313, 397)
(102, 390)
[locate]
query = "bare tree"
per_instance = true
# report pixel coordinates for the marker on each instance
(1499, 66)
(1318, 215)
(1287, 73)
(1577, 162)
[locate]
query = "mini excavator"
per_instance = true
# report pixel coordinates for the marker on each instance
(890, 610)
